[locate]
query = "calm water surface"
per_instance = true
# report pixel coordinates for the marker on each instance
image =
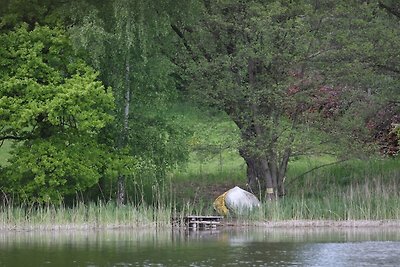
(226, 247)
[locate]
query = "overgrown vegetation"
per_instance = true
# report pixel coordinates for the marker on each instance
(342, 190)
(350, 190)
(83, 216)
(354, 190)
(103, 107)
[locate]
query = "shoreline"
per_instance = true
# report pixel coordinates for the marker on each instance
(284, 224)
(329, 223)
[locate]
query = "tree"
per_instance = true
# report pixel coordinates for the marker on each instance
(52, 107)
(131, 52)
(245, 61)
(267, 64)
(363, 55)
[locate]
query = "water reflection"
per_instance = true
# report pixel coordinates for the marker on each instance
(373, 253)
(222, 247)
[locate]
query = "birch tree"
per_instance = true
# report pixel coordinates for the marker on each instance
(129, 41)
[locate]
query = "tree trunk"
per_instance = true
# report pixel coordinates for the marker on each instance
(121, 190)
(255, 181)
(121, 183)
(263, 167)
(266, 170)
(282, 171)
(269, 180)
(264, 174)
(259, 176)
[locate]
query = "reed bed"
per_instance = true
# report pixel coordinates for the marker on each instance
(351, 191)
(359, 202)
(368, 201)
(83, 216)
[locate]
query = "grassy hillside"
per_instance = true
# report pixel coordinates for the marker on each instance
(214, 163)
(215, 166)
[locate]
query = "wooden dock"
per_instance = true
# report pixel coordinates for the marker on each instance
(195, 221)
(200, 222)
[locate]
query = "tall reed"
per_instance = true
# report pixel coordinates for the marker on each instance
(371, 200)
(84, 216)
(352, 191)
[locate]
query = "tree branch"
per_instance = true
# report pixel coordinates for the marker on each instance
(185, 42)
(316, 168)
(388, 68)
(12, 137)
(390, 9)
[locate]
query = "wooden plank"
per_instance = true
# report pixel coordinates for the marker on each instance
(203, 217)
(200, 218)
(197, 221)
(204, 222)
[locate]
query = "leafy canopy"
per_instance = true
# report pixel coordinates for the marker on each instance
(53, 107)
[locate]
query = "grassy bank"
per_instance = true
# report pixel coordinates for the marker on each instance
(348, 190)
(368, 201)
(83, 216)
(354, 190)
(351, 190)
(340, 191)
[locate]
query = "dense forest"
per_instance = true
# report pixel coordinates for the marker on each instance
(87, 88)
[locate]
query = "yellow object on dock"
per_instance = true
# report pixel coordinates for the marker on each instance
(219, 204)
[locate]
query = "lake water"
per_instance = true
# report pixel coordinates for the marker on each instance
(223, 247)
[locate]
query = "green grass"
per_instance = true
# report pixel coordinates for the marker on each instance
(374, 201)
(83, 216)
(349, 190)
(354, 190)
(344, 175)
(227, 164)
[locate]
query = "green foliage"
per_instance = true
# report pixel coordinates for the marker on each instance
(5, 151)
(266, 64)
(366, 42)
(30, 12)
(263, 63)
(53, 107)
(131, 52)
(362, 57)
(247, 57)
(48, 170)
